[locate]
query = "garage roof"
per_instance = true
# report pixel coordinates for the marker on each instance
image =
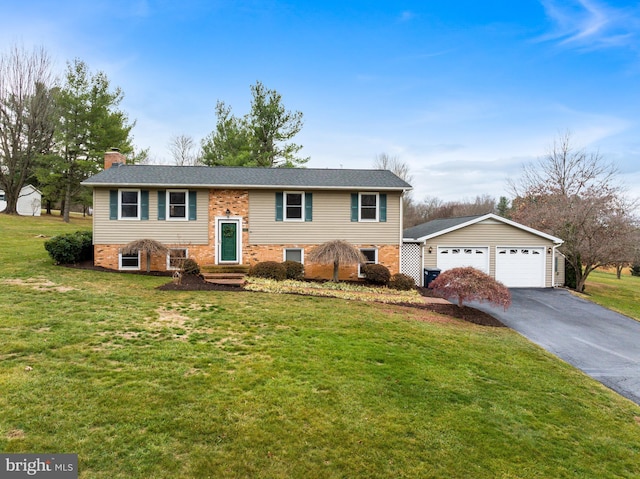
(441, 226)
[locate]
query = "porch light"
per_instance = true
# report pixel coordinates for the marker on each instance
(430, 249)
(228, 213)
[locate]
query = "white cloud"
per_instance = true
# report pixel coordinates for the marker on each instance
(590, 24)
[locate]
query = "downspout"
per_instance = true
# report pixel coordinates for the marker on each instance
(553, 265)
(401, 223)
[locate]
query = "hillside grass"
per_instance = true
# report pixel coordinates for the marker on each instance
(621, 295)
(143, 383)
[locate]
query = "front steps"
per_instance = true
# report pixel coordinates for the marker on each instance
(229, 275)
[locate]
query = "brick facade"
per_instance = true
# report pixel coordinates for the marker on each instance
(388, 255)
(235, 204)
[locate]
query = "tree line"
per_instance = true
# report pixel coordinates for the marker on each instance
(54, 132)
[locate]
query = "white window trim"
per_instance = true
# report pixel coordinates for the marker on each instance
(284, 254)
(128, 218)
(377, 218)
(128, 268)
(168, 205)
(186, 255)
(360, 273)
(284, 205)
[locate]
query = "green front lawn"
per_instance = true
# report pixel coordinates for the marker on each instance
(143, 383)
(621, 295)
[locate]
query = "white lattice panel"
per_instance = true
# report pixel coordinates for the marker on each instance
(411, 261)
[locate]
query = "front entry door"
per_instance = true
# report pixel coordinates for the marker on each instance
(228, 242)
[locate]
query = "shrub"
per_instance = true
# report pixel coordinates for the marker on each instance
(70, 248)
(570, 280)
(293, 270)
(376, 273)
(269, 270)
(635, 270)
(402, 282)
(190, 266)
(469, 284)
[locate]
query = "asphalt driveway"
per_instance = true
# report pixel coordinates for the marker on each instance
(603, 344)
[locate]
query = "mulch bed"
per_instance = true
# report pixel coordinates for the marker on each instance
(466, 313)
(197, 283)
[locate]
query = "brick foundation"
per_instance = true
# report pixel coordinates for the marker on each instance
(106, 256)
(388, 255)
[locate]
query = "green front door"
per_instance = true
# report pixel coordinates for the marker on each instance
(229, 242)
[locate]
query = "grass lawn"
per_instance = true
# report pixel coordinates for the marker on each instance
(143, 383)
(621, 295)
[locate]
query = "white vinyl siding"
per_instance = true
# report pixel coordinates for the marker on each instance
(106, 231)
(331, 219)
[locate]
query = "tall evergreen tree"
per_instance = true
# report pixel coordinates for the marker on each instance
(503, 208)
(260, 138)
(89, 123)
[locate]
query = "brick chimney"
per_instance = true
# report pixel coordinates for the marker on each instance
(113, 157)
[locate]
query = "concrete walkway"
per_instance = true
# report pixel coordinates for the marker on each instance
(603, 344)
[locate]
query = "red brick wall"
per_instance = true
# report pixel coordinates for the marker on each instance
(388, 255)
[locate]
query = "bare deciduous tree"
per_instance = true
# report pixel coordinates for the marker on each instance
(433, 208)
(392, 163)
(184, 150)
(336, 252)
(401, 169)
(573, 194)
(26, 117)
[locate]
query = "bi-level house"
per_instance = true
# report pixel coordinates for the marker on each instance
(229, 215)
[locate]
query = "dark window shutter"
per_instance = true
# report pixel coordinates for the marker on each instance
(144, 205)
(113, 204)
(308, 207)
(279, 201)
(383, 207)
(193, 205)
(354, 206)
(162, 204)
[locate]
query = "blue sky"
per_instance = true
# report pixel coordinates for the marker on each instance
(464, 91)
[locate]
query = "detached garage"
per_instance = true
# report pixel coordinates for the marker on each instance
(514, 254)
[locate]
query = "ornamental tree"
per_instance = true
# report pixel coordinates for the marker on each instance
(470, 284)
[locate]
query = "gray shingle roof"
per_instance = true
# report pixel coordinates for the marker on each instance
(205, 176)
(435, 226)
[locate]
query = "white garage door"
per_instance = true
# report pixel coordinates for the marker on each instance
(519, 267)
(455, 257)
